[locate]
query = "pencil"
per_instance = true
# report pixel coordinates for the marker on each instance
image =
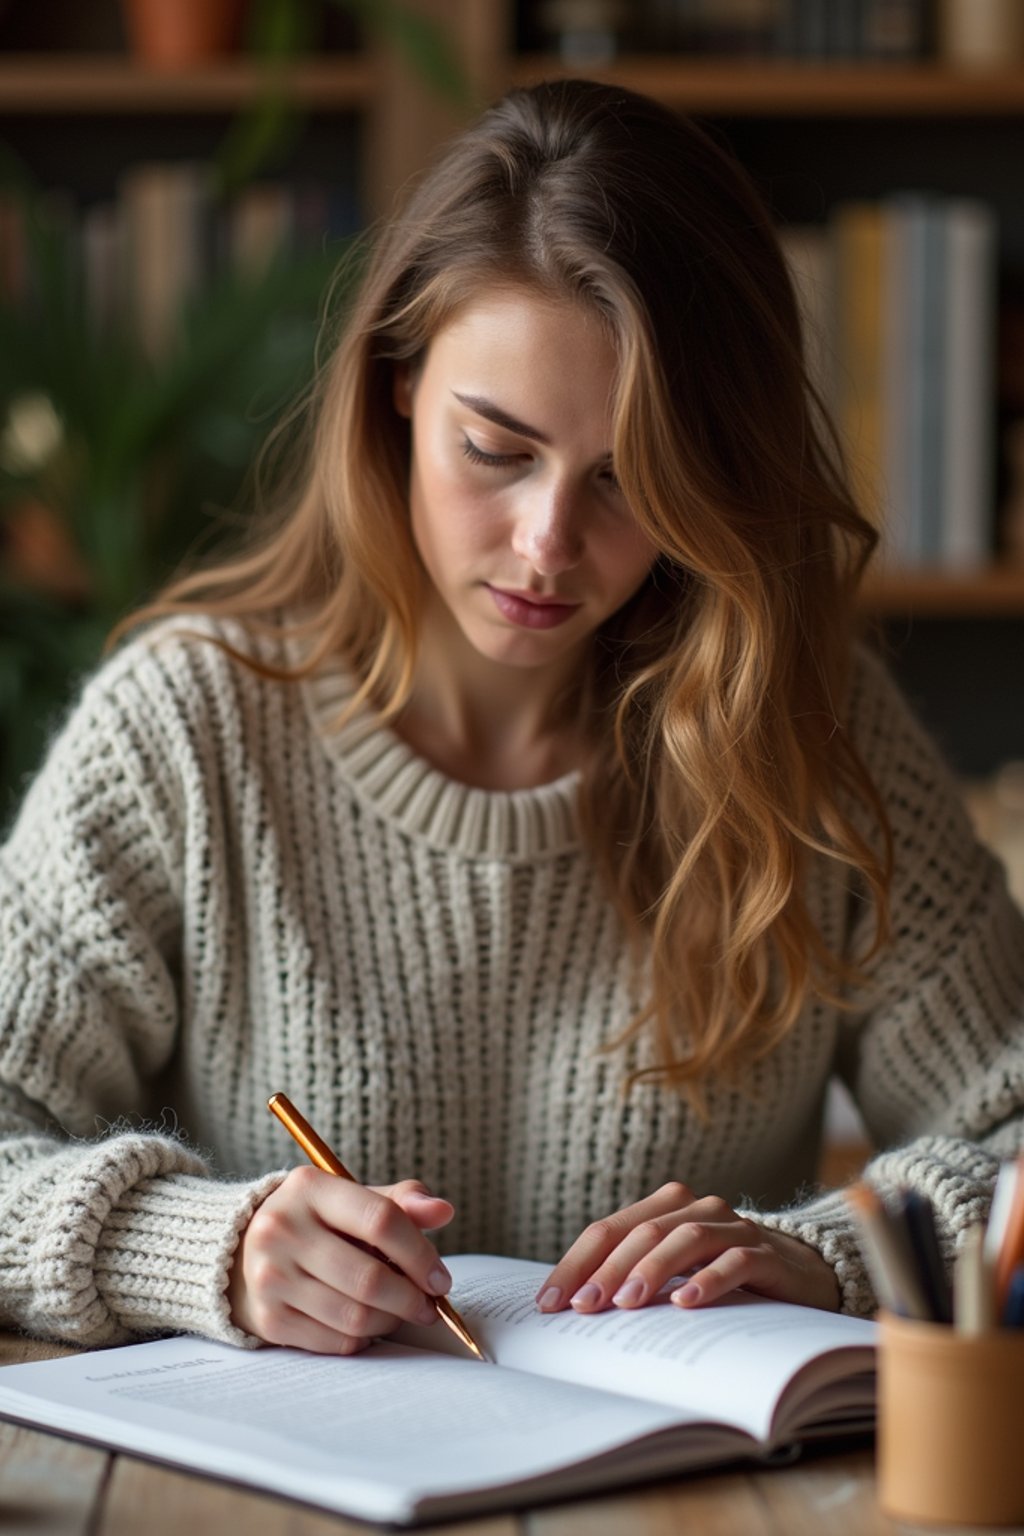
(320, 1154)
(918, 1218)
(1010, 1254)
(974, 1302)
(888, 1255)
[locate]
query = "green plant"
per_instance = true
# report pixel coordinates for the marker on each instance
(112, 466)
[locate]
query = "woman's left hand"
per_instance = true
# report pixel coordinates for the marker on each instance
(626, 1259)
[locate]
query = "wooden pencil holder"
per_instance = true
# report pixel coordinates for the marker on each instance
(950, 1418)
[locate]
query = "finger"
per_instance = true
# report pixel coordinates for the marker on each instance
(776, 1265)
(661, 1248)
(736, 1267)
(357, 1277)
(592, 1248)
(357, 1211)
(353, 1294)
(427, 1210)
(294, 1329)
(342, 1309)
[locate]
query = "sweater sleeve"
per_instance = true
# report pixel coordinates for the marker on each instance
(111, 1227)
(934, 1052)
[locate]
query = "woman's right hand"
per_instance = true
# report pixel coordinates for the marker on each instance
(298, 1276)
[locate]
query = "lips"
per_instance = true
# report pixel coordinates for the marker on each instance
(531, 611)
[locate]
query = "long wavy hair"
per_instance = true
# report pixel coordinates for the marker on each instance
(720, 766)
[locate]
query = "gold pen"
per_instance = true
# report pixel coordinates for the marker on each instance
(320, 1154)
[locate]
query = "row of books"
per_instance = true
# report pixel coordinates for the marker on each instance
(139, 256)
(898, 30)
(899, 302)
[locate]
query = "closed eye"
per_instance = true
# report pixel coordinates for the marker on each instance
(476, 455)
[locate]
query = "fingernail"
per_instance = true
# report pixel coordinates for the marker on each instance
(686, 1295)
(548, 1300)
(427, 1313)
(439, 1280)
(632, 1293)
(587, 1296)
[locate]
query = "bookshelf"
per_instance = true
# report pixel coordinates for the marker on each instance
(997, 590)
(754, 88)
(811, 133)
(52, 85)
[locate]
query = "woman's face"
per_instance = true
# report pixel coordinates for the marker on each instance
(516, 512)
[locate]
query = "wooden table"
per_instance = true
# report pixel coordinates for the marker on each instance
(50, 1486)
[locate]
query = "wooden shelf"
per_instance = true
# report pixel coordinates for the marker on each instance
(751, 88)
(49, 84)
(40, 84)
(997, 591)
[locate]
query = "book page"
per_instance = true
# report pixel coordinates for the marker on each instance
(730, 1363)
(375, 1434)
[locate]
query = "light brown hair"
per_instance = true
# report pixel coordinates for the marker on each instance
(720, 760)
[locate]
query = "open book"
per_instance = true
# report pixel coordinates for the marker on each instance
(415, 1430)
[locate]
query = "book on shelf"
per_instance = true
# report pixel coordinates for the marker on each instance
(164, 212)
(910, 300)
(165, 235)
(893, 31)
(969, 406)
(811, 30)
(914, 345)
(413, 1430)
(859, 327)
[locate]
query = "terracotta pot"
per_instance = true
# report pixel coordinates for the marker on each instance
(179, 34)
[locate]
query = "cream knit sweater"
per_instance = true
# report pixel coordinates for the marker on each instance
(211, 893)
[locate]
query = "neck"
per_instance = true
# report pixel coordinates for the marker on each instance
(492, 726)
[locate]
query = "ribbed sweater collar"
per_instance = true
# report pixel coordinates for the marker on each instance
(415, 797)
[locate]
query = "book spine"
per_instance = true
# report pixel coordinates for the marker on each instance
(857, 240)
(969, 381)
(162, 209)
(103, 266)
(894, 29)
(808, 257)
(842, 37)
(981, 34)
(812, 29)
(261, 229)
(897, 283)
(928, 364)
(784, 43)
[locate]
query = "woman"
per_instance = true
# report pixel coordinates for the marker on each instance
(519, 804)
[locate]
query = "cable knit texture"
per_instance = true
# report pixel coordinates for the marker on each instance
(213, 892)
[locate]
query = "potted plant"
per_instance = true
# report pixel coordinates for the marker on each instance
(179, 34)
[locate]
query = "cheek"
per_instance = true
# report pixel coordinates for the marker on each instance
(449, 517)
(628, 557)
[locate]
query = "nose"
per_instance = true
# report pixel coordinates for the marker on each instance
(549, 532)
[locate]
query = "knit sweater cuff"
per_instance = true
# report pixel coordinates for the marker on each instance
(164, 1254)
(827, 1225)
(956, 1176)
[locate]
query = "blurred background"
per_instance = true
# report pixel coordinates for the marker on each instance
(179, 178)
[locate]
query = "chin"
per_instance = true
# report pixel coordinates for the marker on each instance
(523, 652)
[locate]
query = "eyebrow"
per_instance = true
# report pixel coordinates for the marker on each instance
(491, 412)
